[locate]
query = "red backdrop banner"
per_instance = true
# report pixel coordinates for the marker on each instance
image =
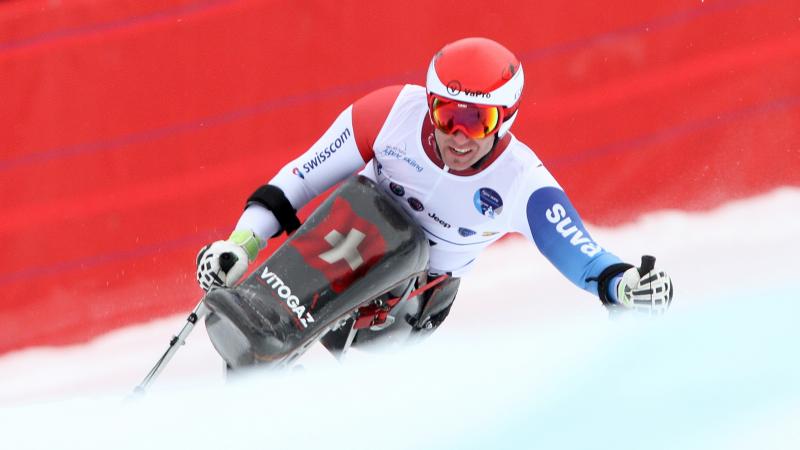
(132, 131)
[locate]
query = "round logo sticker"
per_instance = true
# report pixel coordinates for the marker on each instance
(416, 205)
(488, 202)
(454, 87)
(397, 189)
(465, 232)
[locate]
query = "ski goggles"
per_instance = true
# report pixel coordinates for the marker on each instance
(475, 121)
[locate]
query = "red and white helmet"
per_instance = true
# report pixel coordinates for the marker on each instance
(478, 71)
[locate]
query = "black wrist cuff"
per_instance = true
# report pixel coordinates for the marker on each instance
(273, 198)
(605, 278)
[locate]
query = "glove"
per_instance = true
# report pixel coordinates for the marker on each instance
(223, 263)
(645, 289)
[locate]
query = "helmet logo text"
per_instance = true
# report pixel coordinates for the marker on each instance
(481, 94)
(454, 88)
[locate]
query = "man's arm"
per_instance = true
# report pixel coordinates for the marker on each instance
(557, 230)
(554, 225)
(342, 150)
(333, 157)
(272, 208)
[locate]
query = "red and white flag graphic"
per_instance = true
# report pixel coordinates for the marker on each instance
(344, 246)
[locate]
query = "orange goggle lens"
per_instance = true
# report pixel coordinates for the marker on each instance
(475, 121)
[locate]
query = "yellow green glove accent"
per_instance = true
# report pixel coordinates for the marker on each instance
(248, 241)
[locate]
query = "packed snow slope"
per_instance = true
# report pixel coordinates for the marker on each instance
(525, 361)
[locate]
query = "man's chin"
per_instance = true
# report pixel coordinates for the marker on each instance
(457, 166)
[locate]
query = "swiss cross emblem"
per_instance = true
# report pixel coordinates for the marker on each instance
(343, 246)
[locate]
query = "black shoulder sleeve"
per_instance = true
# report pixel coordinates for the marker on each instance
(273, 198)
(605, 277)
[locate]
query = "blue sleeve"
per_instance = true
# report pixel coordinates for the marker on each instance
(560, 235)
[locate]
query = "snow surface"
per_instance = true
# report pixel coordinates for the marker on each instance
(525, 360)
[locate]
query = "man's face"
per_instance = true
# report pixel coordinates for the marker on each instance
(460, 152)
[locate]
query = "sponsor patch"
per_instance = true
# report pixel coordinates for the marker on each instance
(556, 226)
(438, 220)
(415, 204)
(488, 202)
(574, 232)
(397, 189)
(399, 153)
(326, 153)
(465, 232)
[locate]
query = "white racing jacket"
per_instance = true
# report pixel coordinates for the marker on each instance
(388, 136)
